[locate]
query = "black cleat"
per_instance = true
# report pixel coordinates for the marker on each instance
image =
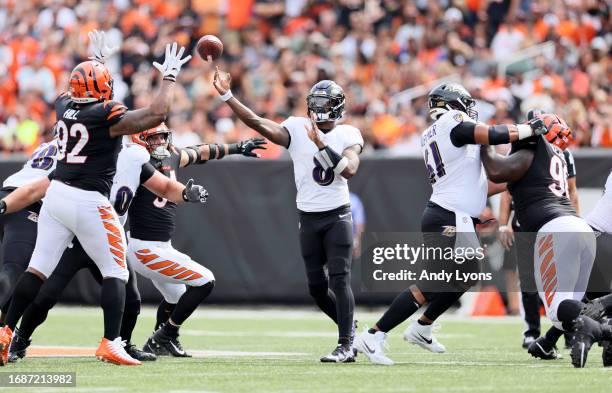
(528, 340)
(586, 332)
(18, 347)
(138, 354)
(342, 354)
(162, 344)
(594, 310)
(543, 349)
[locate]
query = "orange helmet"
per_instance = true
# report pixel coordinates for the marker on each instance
(559, 133)
(90, 81)
(157, 151)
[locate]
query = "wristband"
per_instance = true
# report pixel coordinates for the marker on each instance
(342, 164)
(524, 131)
(226, 96)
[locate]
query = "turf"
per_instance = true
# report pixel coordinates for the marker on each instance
(484, 355)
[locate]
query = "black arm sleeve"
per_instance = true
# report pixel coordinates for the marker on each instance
(193, 153)
(463, 134)
(146, 172)
(51, 175)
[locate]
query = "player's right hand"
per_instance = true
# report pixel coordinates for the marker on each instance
(538, 126)
(173, 62)
(506, 236)
(101, 50)
(222, 81)
(194, 193)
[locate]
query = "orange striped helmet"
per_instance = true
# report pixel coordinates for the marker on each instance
(559, 133)
(90, 81)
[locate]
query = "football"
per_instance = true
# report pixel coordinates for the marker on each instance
(209, 47)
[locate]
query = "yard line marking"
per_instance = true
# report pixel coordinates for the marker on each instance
(278, 333)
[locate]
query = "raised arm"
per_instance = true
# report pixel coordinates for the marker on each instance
(468, 133)
(24, 196)
(509, 168)
(269, 129)
(151, 116)
(176, 192)
(200, 154)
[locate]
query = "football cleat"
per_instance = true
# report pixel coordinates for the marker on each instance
(114, 352)
(6, 336)
(422, 336)
(586, 332)
(352, 339)
(528, 340)
(138, 354)
(342, 354)
(543, 349)
(18, 347)
(373, 346)
(594, 310)
(162, 344)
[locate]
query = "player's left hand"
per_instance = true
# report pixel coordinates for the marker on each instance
(538, 126)
(194, 193)
(101, 50)
(246, 147)
(313, 134)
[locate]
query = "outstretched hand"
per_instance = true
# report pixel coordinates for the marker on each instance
(246, 147)
(101, 50)
(222, 81)
(173, 62)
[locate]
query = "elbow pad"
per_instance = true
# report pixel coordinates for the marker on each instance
(499, 134)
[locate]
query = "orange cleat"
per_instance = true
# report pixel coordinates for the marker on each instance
(6, 336)
(114, 352)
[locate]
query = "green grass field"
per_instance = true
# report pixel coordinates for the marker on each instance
(277, 351)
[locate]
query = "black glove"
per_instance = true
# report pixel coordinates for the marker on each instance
(246, 147)
(538, 126)
(194, 193)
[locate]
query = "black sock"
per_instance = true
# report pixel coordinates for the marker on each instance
(325, 299)
(567, 312)
(25, 292)
(164, 310)
(32, 318)
(553, 334)
(440, 303)
(170, 329)
(189, 301)
(345, 304)
(403, 306)
(113, 303)
(9, 275)
(130, 315)
(423, 323)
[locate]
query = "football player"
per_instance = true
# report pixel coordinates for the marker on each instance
(325, 154)
(183, 282)
(134, 170)
(451, 154)
(89, 126)
(564, 248)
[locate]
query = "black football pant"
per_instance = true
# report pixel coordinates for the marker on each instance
(326, 240)
(18, 243)
(524, 243)
(73, 260)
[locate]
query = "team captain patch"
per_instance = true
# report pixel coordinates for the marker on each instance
(458, 117)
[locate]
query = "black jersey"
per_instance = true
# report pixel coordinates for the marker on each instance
(541, 194)
(87, 153)
(153, 218)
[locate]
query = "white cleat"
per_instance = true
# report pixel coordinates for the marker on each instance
(422, 336)
(373, 346)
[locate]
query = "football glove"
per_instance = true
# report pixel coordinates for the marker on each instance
(194, 193)
(246, 147)
(537, 126)
(2, 207)
(172, 62)
(101, 50)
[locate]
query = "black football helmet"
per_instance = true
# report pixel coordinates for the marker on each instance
(447, 96)
(326, 101)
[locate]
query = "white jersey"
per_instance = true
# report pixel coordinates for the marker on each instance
(318, 190)
(41, 163)
(458, 178)
(600, 217)
(127, 179)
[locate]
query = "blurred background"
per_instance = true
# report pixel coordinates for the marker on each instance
(512, 55)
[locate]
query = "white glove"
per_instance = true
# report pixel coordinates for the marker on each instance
(101, 50)
(172, 62)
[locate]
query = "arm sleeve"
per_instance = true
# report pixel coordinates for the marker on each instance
(113, 112)
(146, 172)
(571, 164)
(463, 134)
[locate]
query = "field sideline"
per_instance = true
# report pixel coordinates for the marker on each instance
(277, 350)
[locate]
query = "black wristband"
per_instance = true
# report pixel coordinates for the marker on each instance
(233, 148)
(499, 134)
(2, 207)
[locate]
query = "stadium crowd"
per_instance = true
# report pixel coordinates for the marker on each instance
(276, 50)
